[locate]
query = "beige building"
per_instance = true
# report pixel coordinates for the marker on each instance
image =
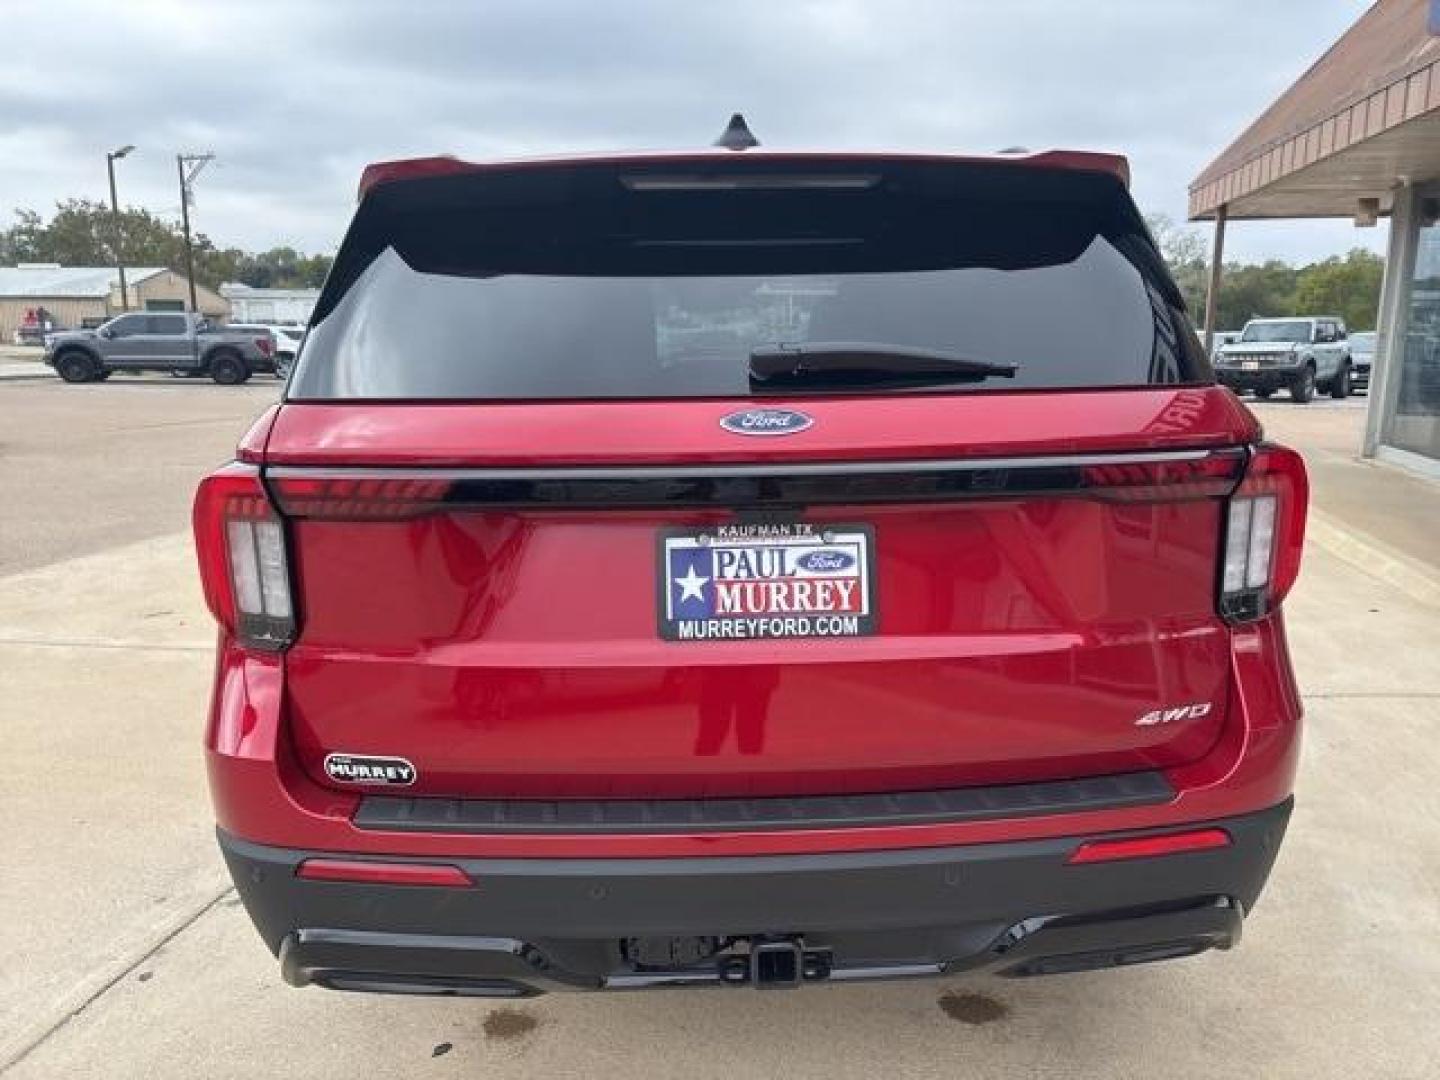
(72, 296)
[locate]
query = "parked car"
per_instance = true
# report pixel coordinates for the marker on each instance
(937, 632)
(1295, 354)
(157, 341)
(286, 340)
(1362, 357)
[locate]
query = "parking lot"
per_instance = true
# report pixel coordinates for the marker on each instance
(126, 952)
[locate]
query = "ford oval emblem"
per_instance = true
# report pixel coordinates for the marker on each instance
(766, 422)
(825, 561)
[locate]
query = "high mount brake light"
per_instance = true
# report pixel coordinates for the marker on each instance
(1264, 535)
(244, 565)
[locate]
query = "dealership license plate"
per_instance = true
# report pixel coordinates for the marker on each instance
(766, 580)
(1250, 365)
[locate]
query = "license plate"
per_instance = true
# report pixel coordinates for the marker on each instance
(1250, 365)
(786, 580)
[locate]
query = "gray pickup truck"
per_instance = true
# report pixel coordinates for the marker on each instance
(177, 342)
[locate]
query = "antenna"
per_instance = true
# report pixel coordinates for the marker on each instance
(737, 135)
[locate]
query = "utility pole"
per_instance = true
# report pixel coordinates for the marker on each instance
(189, 167)
(110, 159)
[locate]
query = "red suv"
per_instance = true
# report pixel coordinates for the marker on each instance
(749, 568)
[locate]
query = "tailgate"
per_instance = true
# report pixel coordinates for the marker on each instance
(910, 594)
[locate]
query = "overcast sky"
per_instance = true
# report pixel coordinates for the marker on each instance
(296, 96)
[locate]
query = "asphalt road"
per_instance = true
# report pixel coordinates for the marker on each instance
(125, 953)
(89, 467)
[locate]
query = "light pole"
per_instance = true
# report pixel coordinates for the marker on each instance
(110, 159)
(189, 166)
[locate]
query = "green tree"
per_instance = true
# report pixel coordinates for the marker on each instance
(1254, 292)
(1348, 287)
(1186, 253)
(283, 268)
(86, 233)
(21, 242)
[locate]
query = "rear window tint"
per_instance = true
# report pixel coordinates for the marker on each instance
(588, 283)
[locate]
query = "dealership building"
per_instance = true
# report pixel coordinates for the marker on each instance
(1358, 136)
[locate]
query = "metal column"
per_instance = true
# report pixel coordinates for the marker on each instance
(1212, 295)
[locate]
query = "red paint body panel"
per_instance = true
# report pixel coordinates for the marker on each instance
(516, 653)
(260, 794)
(851, 428)
(252, 444)
(1017, 641)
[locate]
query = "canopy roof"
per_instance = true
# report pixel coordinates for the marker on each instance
(1365, 116)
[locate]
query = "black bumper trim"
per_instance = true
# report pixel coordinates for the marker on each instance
(1263, 378)
(534, 924)
(390, 814)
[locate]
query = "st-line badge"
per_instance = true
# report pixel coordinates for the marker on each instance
(766, 580)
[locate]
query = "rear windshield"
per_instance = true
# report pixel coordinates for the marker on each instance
(602, 282)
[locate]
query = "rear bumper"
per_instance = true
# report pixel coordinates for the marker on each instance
(529, 925)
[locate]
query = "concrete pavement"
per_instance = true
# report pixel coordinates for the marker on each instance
(1377, 517)
(126, 952)
(23, 362)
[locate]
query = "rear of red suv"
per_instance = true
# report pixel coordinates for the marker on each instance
(749, 568)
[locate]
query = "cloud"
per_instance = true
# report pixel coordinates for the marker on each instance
(296, 96)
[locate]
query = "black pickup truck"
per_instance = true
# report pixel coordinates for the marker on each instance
(184, 344)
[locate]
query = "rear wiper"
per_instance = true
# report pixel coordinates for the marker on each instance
(863, 363)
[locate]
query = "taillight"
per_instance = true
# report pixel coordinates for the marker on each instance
(1206, 476)
(244, 565)
(358, 499)
(266, 345)
(1264, 534)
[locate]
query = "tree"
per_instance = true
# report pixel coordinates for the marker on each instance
(21, 242)
(1255, 292)
(1187, 255)
(283, 268)
(1348, 287)
(87, 233)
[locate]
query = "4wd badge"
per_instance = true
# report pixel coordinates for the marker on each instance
(1197, 711)
(355, 769)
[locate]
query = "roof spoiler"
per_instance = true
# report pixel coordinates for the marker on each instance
(386, 172)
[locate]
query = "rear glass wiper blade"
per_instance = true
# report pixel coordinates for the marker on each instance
(852, 363)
